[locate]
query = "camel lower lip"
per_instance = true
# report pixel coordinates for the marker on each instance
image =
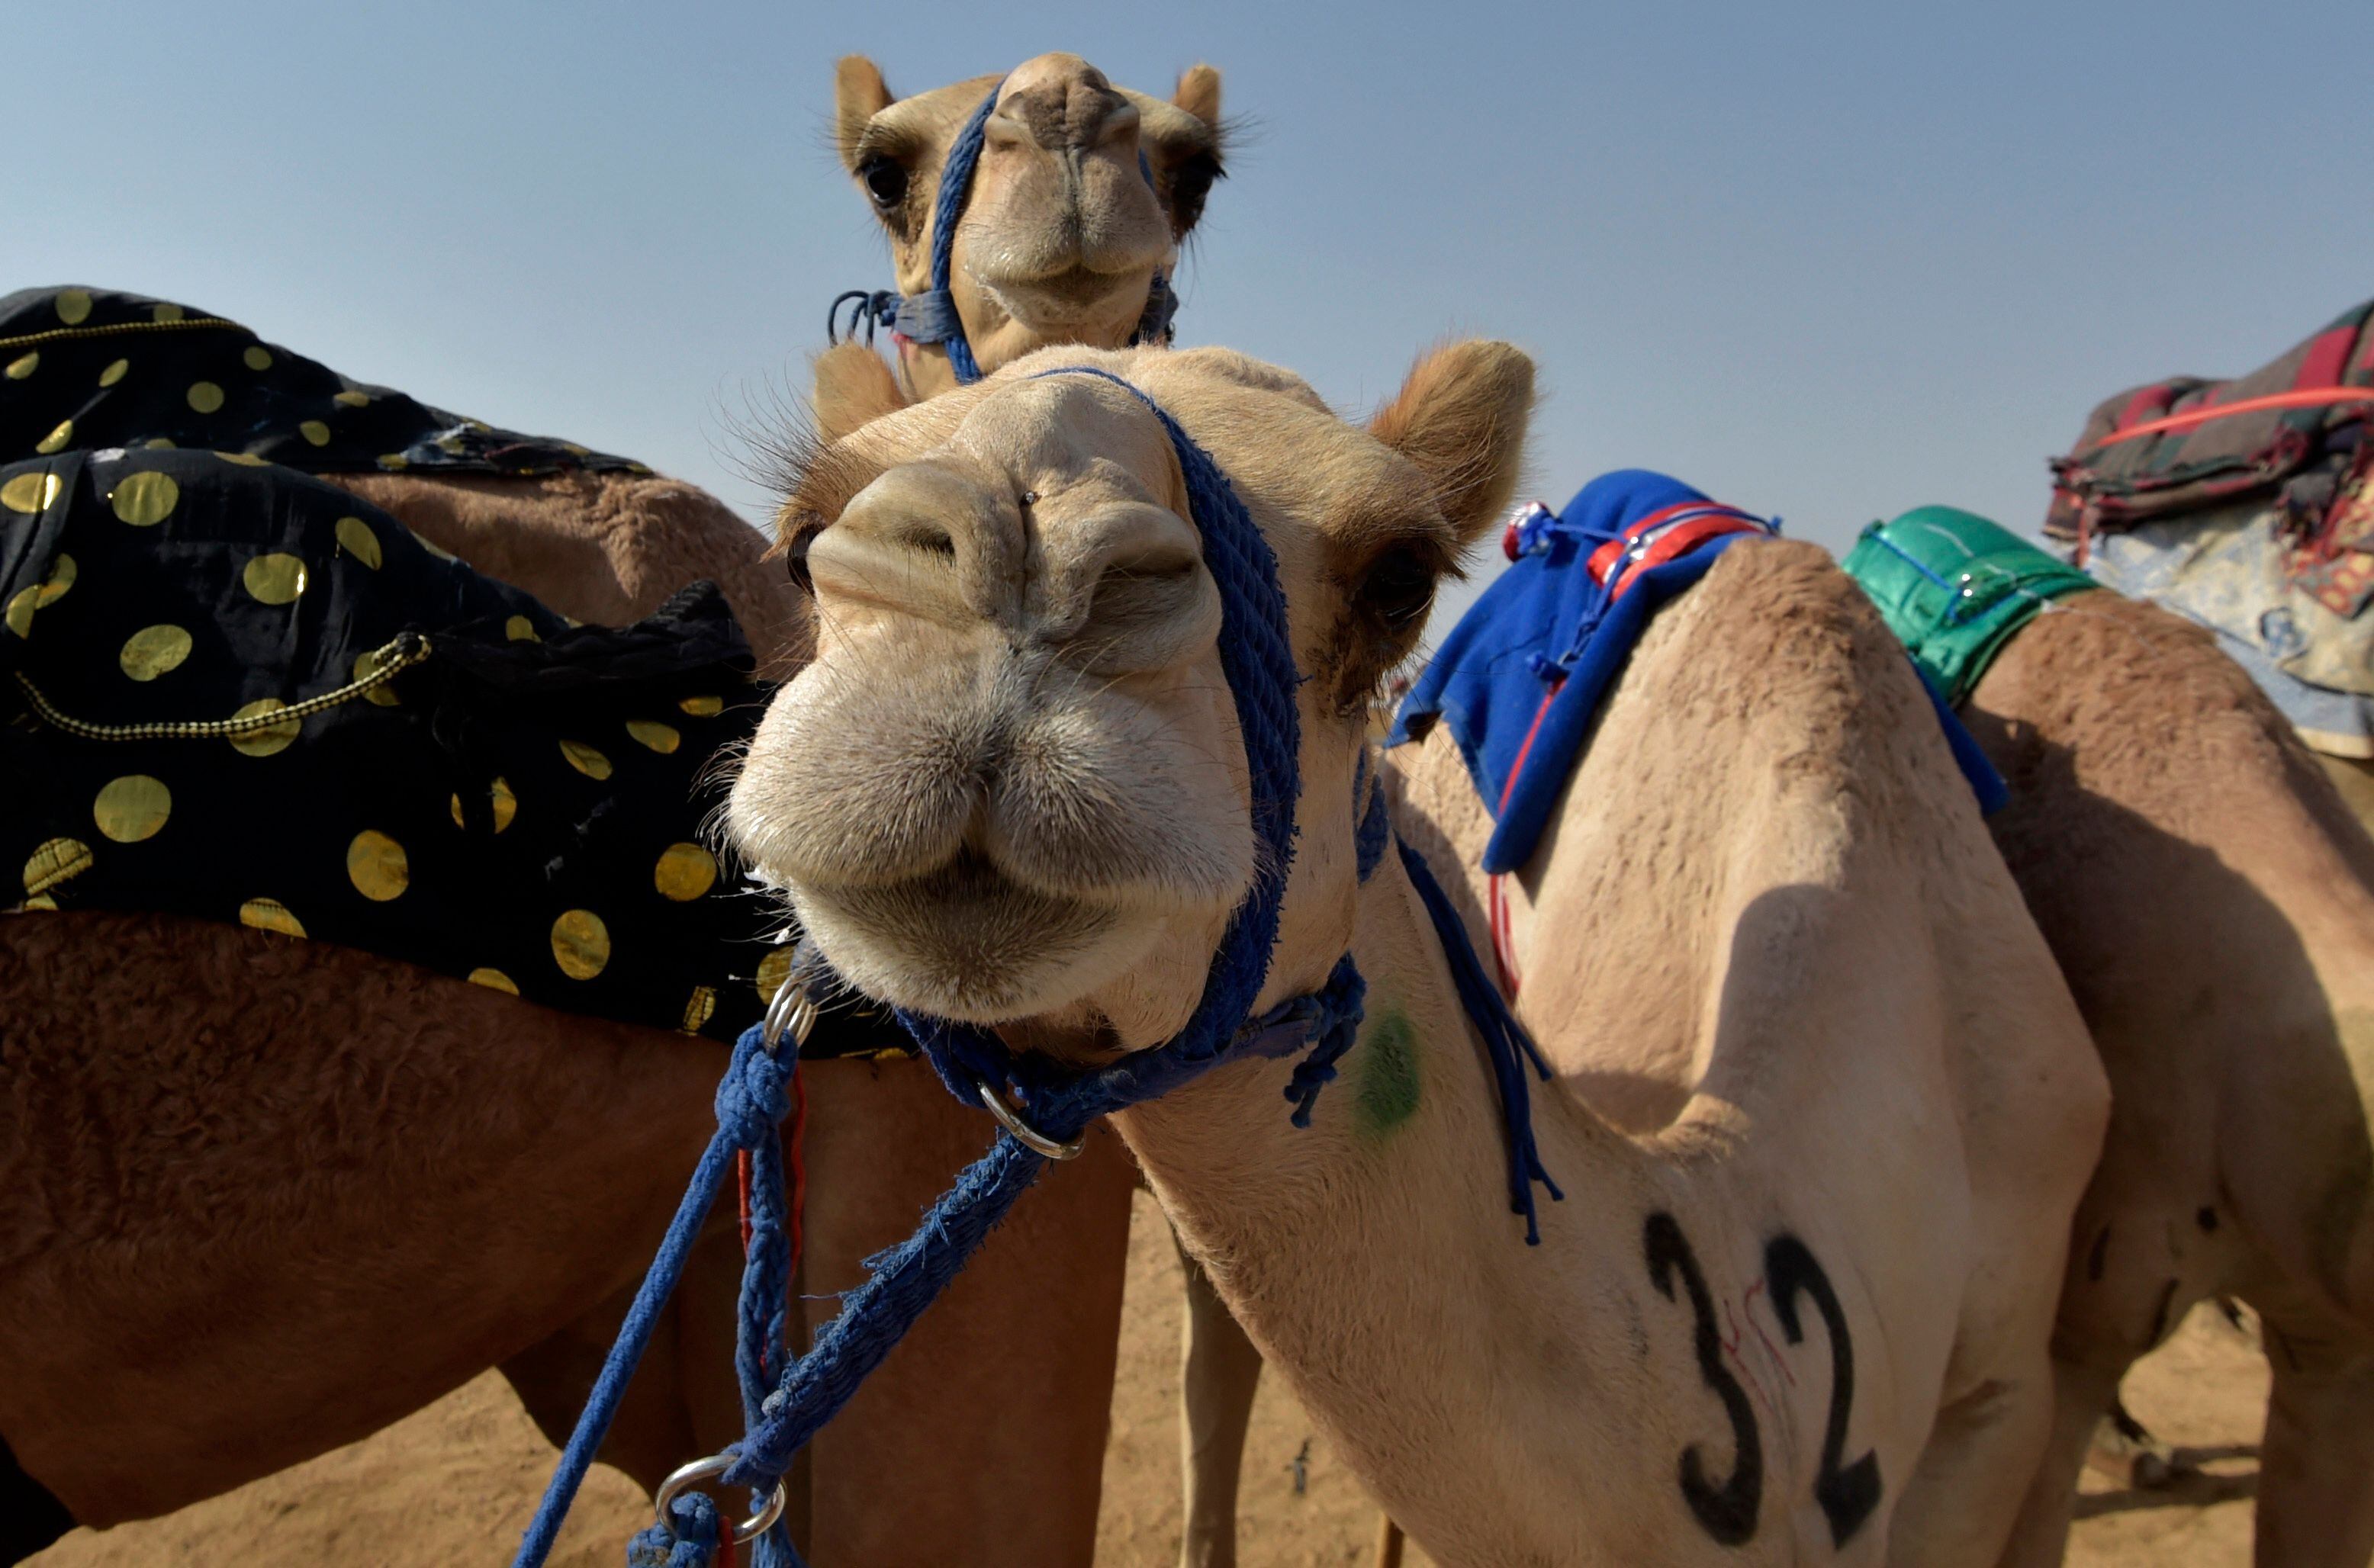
(1073, 289)
(968, 939)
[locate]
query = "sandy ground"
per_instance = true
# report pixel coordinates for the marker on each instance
(454, 1483)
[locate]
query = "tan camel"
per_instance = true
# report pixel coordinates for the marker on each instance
(2211, 905)
(1035, 751)
(1082, 196)
(545, 1161)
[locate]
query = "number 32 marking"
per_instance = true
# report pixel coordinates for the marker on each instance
(1728, 1511)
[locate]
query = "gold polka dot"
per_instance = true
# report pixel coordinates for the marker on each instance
(270, 738)
(30, 492)
(270, 914)
(437, 550)
(56, 860)
(697, 1007)
(132, 808)
(772, 970)
(256, 357)
(351, 398)
(40, 901)
(356, 539)
(315, 431)
(204, 396)
(580, 944)
(62, 578)
(703, 707)
(142, 499)
(276, 579)
(391, 459)
(501, 803)
(23, 366)
(245, 460)
(21, 609)
(519, 629)
(152, 650)
(74, 305)
(167, 313)
(114, 372)
(685, 872)
(494, 980)
(376, 865)
(56, 439)
(658, 736)
(384, 695)
(585, 759)
(158, 443)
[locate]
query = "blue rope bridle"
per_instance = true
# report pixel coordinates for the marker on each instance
(1058, 1101)
(931, 316)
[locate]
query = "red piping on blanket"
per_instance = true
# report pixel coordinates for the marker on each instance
(2300, 397)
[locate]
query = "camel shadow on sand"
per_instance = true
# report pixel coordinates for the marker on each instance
(2190, 1485)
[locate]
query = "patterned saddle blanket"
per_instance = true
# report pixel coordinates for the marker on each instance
(2248, 506)
(1521, 678)
(233, 691)
(93, 369)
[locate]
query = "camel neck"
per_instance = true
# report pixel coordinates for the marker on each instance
(1387, 1222)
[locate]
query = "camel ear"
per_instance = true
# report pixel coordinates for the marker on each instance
(1461, 417)
(852, 388)
(1199, 93)
(858, 94)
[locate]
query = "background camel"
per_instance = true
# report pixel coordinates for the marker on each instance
(1923, 1123)
(1082, 196)
(563, 1190)
(2211, 905)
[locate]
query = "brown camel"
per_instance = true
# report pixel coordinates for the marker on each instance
(2211, 904)
(538, 1150)
(1036, 749)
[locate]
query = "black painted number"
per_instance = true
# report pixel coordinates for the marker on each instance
(1726, 1512)
(1848, 1495)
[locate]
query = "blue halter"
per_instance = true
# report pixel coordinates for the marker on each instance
(931, 316)
(1060, 1102)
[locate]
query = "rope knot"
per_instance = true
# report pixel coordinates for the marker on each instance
(687, 1540)
(755, 1094)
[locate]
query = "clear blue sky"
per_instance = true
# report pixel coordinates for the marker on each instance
(1829, 261)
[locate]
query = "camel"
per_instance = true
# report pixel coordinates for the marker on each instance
(2211, 904)
(550, 1143)
(1010, 788)
(1075, 211)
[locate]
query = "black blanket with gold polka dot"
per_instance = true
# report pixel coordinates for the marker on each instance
(91, 368)
(233, 691)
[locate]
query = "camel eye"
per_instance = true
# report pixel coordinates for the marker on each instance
(1398, 589)
(796, 557)
(886, 181)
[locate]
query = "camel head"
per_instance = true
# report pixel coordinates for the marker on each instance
(1081, 196)
(1011, 788)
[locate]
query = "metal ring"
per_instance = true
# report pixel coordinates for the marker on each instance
(681, 1478)
(1030, 1137)
(791, 1008)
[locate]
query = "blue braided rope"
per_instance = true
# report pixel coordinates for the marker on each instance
(1505, 1041)
(751, 1102)
(947, 211)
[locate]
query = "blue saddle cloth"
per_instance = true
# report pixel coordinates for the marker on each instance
(1521, 676)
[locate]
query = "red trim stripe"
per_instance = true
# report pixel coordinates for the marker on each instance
(2302, 398)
